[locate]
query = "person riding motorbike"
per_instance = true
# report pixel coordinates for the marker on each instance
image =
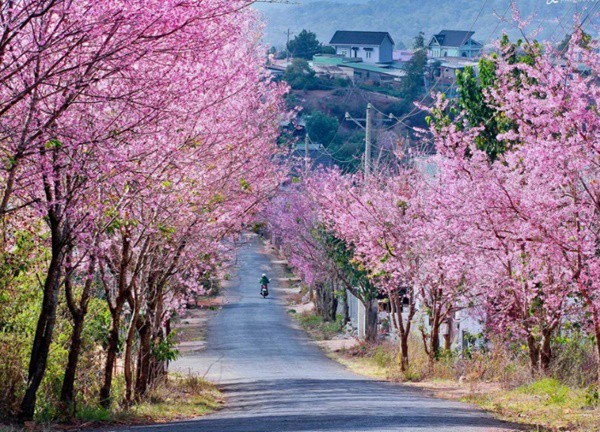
(264, 283)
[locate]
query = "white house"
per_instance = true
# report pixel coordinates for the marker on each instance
(370, 47)
(454, 43)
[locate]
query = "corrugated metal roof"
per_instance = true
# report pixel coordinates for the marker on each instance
(344, 37)
(327, 60)
(373, 68)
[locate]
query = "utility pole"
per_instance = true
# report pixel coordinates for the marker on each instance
(368, 142)
(306, 152)
(287, 45)
(368, 128)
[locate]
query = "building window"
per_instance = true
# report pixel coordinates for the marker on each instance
(368, 54)
(344, 53)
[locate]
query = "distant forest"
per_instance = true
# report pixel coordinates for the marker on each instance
(404, 19)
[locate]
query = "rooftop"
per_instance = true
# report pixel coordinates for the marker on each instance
(453, 38)
(327, 60)
(344, 37)
(373, 68)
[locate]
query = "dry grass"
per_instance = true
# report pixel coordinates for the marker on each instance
(496, 381)
(181, 397)
(545, 404)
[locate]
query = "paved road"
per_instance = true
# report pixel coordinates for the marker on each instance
(275, 379)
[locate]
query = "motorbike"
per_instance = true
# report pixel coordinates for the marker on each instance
(264, 291)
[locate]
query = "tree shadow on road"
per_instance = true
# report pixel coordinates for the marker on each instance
(344, 405)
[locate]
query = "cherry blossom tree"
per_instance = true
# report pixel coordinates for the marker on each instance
(137, 131)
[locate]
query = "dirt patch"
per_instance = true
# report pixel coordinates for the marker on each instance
(448, 389)
(336, 345)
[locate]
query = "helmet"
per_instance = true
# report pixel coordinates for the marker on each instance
(264, 274)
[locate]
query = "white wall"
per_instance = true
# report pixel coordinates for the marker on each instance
(376, 55)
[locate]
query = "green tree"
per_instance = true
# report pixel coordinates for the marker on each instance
(354, 277)
(305, 45)
(472, 89)
(300, 76)
(562, 47)
(471, 99)
(321, 128)
(327, 50)
(412, 84)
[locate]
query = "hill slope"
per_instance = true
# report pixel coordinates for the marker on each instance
(405, 18)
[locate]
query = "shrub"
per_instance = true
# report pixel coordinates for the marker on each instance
(574, 361)
(550, 388)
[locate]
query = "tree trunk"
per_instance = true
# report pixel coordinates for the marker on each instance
(371, 320)
(404, 351)
(434, 347)
(143, 368)
(68, 385)
(78, 314)
(403, 327)
(333, 303)
(534, 354)
(345, 307)
(325, 302)
(546, 351)
(111, 357)
(128, 357)
(597, 332)
(44, 329)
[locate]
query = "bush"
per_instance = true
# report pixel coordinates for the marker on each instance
(549, 388)
(384, 356)
(574, 362)
(321, 128)
(318, 328)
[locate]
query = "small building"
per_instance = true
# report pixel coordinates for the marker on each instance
(403, 56)
(371, 47)
(356, 70)
(369, 74)
(442, 73)
(454, 43)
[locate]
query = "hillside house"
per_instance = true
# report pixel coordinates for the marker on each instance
(357, 71)
(370, 47)
(441, 73)
(454, 43)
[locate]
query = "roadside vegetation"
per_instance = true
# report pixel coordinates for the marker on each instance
(498, 381)
(318, 328)
(179, 397)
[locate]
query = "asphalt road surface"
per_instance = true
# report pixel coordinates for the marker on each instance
(275, 379)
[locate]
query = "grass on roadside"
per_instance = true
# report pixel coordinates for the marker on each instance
(317, 328)
(494, 381)
(545, 403)
(181, 397)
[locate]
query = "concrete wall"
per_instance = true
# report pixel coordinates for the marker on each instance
(386, 54)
